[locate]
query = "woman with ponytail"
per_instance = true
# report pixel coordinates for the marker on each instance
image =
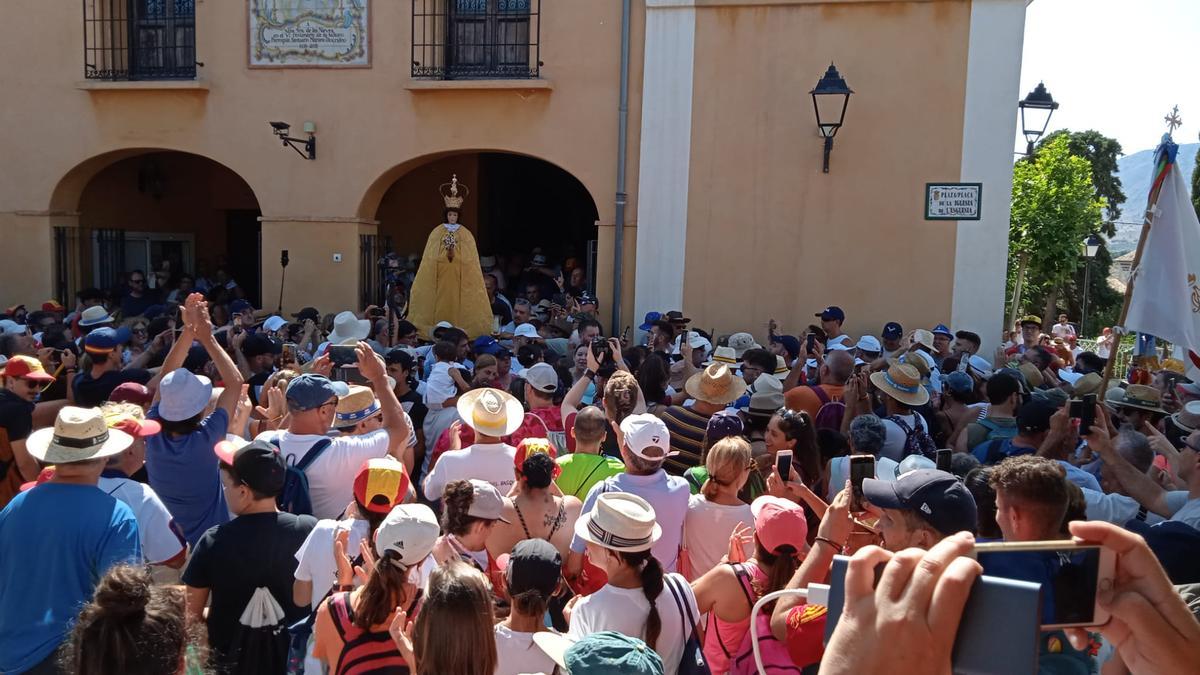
(133, 627)
(728, 591)
(718, 512)
(638, 600)
(533, 510)
(352, 626)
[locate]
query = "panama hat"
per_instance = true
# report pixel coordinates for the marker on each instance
(620, 521)
(725, 355)
(1188, 419)
(94, 316)
(1142, 397)
(357, 405)
(923, 337)
(1088, 384)
(715, 384)
(491, 412)
(348, 327)
(902, 382)
(78, 434)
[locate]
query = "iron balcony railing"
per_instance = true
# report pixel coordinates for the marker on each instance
(476, 39)
(139, 39)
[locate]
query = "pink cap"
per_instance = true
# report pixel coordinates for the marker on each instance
(778, 523)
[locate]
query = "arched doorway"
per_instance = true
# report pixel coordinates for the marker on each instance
(156, 210)
(517, 203)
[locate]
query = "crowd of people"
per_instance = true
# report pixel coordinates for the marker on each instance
(191, 484)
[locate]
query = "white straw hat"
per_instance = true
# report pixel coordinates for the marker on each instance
(491, 412)
(78, 434)
(621, 522)
(348, 327)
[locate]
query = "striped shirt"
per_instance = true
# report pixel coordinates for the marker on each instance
(687, 429)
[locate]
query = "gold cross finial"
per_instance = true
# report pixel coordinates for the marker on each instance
(1173, 121)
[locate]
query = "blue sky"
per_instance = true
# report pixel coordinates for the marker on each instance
(1117, 66)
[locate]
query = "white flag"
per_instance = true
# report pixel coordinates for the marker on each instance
(1166, 283)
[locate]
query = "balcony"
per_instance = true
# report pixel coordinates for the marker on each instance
(135, 40)
(476, 39)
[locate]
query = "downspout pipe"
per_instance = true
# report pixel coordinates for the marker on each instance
(622, 159)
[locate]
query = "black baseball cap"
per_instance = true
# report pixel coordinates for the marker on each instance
(534, 564)
(892, 331)
(938, 497)
(256, 464)
(400, 356)
(307, 313)
(831, 313)
(258, 344)
(1034, 416)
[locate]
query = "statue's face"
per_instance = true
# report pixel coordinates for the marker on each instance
(452, 217)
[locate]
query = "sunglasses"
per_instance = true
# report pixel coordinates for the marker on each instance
(137, 281)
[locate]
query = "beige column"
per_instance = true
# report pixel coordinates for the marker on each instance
(324, 254)
(29, 260)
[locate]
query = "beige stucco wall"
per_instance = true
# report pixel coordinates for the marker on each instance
(371, 129)
(769, 234)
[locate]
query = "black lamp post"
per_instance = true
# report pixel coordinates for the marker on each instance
(1037, 106)
(830, 98)
(1090, 248)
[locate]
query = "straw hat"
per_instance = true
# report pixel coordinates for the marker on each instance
(1188, 419)
(725, 355)
(1033, 376)
(715, 384)
(78, 434)
(1088, 384)
(781, 368)
(620, 521)
(357, 405)
(491, 412)
(901, 381)
(1142, 397)
(348, 327)
(921, 336)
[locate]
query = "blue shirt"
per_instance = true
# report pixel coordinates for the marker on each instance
(185, 474)
(58, 540)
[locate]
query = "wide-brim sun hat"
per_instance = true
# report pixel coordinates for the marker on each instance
(347, 327)
(491, 412)
(620, 521)
(902, 382)
(78, 435)
(715, 384)
(183, 395)
(1141, 397)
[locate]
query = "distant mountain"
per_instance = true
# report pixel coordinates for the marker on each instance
(1135, 173)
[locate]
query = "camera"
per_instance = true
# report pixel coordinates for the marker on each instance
(603, 353)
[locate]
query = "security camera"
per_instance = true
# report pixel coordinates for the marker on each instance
(281, 128)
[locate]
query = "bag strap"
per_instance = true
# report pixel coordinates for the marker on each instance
(591, 473)
(339, 611)
(681, 600)
(902, 424)
(313, 453)
(816, 389)
(743, 577)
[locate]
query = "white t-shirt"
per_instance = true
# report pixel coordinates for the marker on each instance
(1062, 330)
(315, 561)
(1189, 513)
(331, 476)
(1119, 509)
(893, 447)
(667, 494)
(440, 386)
(706, 531)
(516, 653)
(624, 610)
(161, 538)
(491, 462)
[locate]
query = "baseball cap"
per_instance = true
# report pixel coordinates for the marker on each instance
(650, 320)
(527, 330)
(645, 434)
(487, 502)
(869, 343)
(603, 653)
(543, 377)
(725, 423)
(407, 534)
(588, 298)
(831, 313)
(239, 306)
(308, 313)
(257, 464)
(1034, 416)
(778, 523)
(791, 343)
(958, 382)
(52, 306)
(533, 565)
(485, 344)
(104, 340)
(892, 331)
(131, 392)
(28, 368)
(274, 323)
(257, 344)
(381, 484)
(938, 497)
(941, 329)
(135, 424)
(533, 446)
(310, 391)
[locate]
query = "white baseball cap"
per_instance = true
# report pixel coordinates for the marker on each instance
(869, 343)
(183, 395)
(543, 377)
(526, 330)
(645, 431)
(409, 531)
(10, 327)
(696, 340)
(274, 323)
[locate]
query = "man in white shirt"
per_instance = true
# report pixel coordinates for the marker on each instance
(492, 414)
(1063, 328)
(645, 445)
(312, 402)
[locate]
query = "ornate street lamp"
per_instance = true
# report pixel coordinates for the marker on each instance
(1037, 107)
(1090, 248)
(830, 98)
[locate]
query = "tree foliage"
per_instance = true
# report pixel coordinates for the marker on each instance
(1102, 153)
(1055, 206)
(1196, 185)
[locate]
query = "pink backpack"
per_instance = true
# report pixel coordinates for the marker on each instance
(775, 655)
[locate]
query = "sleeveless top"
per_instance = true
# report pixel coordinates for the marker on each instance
(721, 644)
(365, 652)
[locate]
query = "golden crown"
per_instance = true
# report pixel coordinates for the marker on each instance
(454, 193)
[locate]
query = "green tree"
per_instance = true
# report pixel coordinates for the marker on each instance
(1196, 184)
(1054, 208)
(1102, 153)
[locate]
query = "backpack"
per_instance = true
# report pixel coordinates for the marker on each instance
(261, 641)
(996, 431)
(916, 441)
(775, 657)
(997, 450)
(293, 498)
(557, 438)
(831, 412)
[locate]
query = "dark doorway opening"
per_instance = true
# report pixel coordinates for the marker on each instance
(243, 241)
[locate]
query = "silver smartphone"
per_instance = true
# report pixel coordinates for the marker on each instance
(1071, 576)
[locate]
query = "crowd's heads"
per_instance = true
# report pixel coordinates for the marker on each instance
(490, 412)
(381, 484)
(728, 463)
(1031, 497)
(620, 396)
(901, 382)
(532, 573)
(458, 595)
(590, 426)
(1033, 418)
(541, 381)
(717, 385)
(619, 522)
(315, 394)
(920, 508)
(832, 318)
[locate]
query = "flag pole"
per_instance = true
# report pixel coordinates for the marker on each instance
(1147, 221)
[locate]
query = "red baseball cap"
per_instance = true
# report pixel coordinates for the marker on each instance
(43, 476)
(536, 446)
(131, 392)
(52, 306)
(135, 427)
(806, 634)
(381, 484)
(778, 523)
(27, 367)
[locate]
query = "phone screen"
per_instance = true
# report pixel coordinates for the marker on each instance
(289, 353)
(943, 460)
(342, 355)
(1087, 415)
(1068, 576)
(1075, 410)
(811, 345)
(861, 467)
(783, 463)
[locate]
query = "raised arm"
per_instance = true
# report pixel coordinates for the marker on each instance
(394, 421)
(1138, 485)
(231, 377)
(183, 343)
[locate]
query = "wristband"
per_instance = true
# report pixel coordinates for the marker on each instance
(829, 541)
(589, 374)
(341, 588)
